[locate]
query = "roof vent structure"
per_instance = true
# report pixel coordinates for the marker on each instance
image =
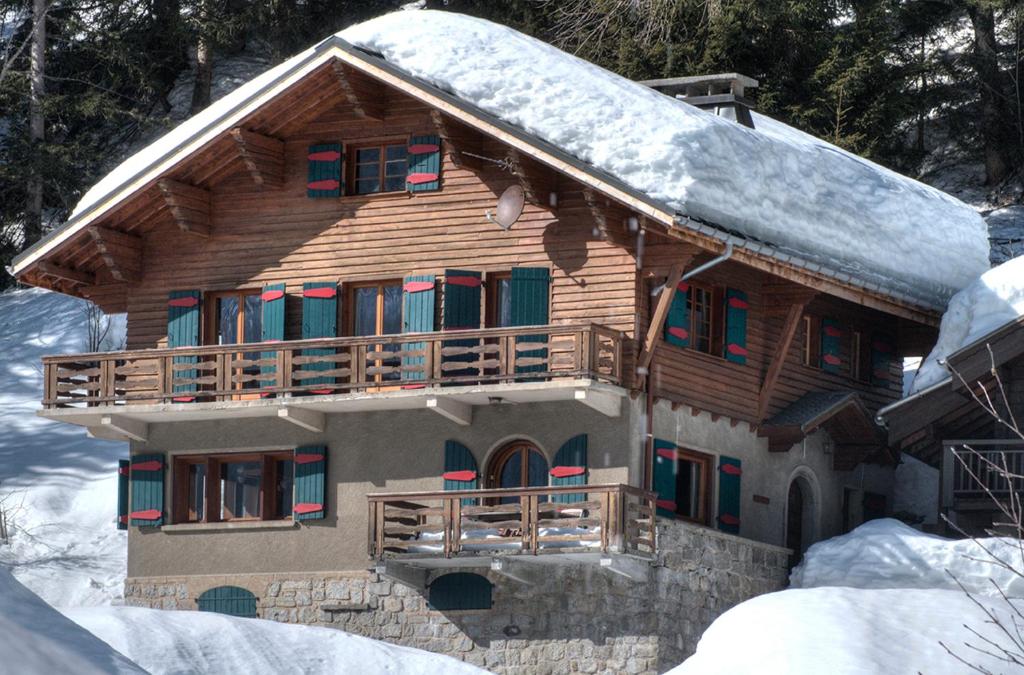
(723, 94)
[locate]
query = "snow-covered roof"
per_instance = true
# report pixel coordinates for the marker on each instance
(991, 301)
(788, 193)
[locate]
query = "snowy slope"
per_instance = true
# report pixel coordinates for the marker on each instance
(877, 600)
(203, 642)
(60, 484)
(35, 638)
(774, 184)
(992, 300)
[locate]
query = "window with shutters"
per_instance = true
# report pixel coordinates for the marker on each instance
(705, 307)
(214, 488)
(376, 309)
(235, 317)
(693, 485)
(378, 168)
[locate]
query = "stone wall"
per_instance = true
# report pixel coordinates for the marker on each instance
(632, 616)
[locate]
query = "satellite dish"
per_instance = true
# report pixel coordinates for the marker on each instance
(510, 207)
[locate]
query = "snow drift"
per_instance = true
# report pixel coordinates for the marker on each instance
(35, 638)
(996, 298)
(877, 600)
(773, 184)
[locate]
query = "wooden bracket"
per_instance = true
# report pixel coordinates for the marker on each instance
(360, 92)
(66, 273)
(310, 420)
(263, 157)
(653, 335)
(778, 359)
(121, 252)
(596, 213)
(457, 411)
(189, 206)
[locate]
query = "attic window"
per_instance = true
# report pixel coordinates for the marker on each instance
(378, 168)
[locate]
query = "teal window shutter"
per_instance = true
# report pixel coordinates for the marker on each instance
(324, 177)
(418, 301)
(319, 320)
(729, 472)
(570, 468)
(736, 308)
(460, 590)
(230, 600)
(310, 483)
(272, 300)
(460, 470)
(831, 336)
(123, 477)
(147, 498)
(677, 323)
(882, 354)
(664, 478)
(424, 162)
(530, 289)
(461, 312)
(183, 316)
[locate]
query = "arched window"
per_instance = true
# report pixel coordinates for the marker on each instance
(460, 590)
(519, 464)
(230, 600)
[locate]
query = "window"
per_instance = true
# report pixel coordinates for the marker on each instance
(693, 480)
(811, 342)
(499, 300)
(705, 307)
(460, 590)
(377, 310)
(378, 168)
(230, 600)
(245, 487)
(517, 465)
(236, 317)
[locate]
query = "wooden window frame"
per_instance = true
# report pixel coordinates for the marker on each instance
(706, 462)
(497, 462)
(211, 317)
(810, 355)
(491, 307)
(181, 508)
(351, 164)
(350, 311)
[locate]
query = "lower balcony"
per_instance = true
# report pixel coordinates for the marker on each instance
(116, 394)
(982, 472)
(439, 529)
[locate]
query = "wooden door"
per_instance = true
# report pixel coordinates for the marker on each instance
(377, 310)
(236, 317)
(518, 465)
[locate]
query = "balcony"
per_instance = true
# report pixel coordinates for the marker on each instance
(981, 471)
(429, 528)
(449, 372)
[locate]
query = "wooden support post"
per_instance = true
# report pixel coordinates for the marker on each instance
(263, 157)
(66, 273)
(653, 335)
(189, 206)
(360, 92)
(771, 378)
(121, 252)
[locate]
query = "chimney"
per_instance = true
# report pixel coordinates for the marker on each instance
(722, 94)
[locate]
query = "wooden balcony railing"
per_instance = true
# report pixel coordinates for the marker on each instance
(606, 518)
(978, 468)
(334, 365)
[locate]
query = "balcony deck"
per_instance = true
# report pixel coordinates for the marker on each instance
(434, 526)
(116, 393)
(980, 472)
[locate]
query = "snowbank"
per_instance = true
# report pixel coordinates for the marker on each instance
(877, 600)
(916, 490)
(203, 642)
(994, 299)
(774, 184)
(35, 638)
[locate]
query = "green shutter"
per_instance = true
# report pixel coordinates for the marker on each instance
(123, 477)
(183, 317)
(310, 483)
(677, 323)
(324, 179)
(319, 320)
(729, 472)
(664, 478)
(272, 328)
(418, 301)
(831, 336)
(570, 468)
(460, 471)
(147, 498)
(882, 353)
(461, 312)
(460, 590)
(424, 164)
(230, 600)
(529, 289)
(736, 308)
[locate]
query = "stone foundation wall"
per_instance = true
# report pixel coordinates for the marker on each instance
(547, 616)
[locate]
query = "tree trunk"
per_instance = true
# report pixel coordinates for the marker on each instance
(204, 75)
(36, 125)
(1000, 148)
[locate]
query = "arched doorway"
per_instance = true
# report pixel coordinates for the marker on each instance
(518, 464)
(801, 517)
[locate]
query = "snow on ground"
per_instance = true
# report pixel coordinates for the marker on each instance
(204, 642)
(877, 600)
(992, 300)
(35, 638)
(58, 485)
(916, 490)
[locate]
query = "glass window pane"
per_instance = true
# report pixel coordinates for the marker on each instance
(366, 311)
(537, 470)
(511, 476)
(227, 321)
(196, 491)
(392, 309)
(395, 168)
(394, 183)
(368, 170)
(395, 152)
(253, 319)
(240, 490)
(365, 187)
(504, 301)
(367, 155)
(285, 484)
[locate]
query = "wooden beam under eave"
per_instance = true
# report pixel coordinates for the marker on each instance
(121, 252)
(653, 335)
(778, 359)
(457, 140)
(66, 273)
(188, 205)
(359, 92)
(263, 157)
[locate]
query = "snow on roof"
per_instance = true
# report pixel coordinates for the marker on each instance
(772, 184)
(994, 299)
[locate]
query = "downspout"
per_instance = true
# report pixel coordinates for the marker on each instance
(649, 432)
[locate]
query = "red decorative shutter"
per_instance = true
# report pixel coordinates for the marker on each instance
(677, 323)
(460, 471)
(729, 472)
(570, 468)
(736, 308)
(147, 498)
(123, 478)
(324, 176)
(831, 339)
(310, 483)
(424, 162)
